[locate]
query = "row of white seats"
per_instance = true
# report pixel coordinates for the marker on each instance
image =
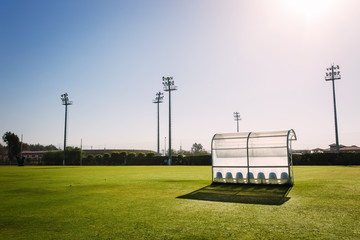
(261, 179)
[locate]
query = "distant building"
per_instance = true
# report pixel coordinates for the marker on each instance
(33, 154)
(332, 148)
(33, 157)
(342, 148)
(317, 150)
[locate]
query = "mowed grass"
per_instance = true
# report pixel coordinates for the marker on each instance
(139, 202)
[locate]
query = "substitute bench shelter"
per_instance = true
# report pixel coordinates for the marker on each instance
(253, 157)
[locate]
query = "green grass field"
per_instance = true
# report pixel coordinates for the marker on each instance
(129, 202)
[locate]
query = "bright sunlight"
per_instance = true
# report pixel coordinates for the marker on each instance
(309, 9)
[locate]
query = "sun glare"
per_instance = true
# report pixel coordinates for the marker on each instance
(309, 9)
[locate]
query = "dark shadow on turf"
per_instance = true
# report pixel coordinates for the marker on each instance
(242, 193)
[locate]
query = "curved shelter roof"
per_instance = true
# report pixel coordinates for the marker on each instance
(253, 157)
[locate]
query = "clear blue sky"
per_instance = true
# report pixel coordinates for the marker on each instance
(264, 59)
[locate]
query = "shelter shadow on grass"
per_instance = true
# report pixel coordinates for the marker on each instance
(242, 193)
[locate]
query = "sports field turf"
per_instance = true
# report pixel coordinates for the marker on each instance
(129, 202)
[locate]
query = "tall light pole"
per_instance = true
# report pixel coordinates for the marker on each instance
(81, 152)
(66, 102)
(169, 86)
(21, 146)
(158, 99)
(332, 74)
(237, 119)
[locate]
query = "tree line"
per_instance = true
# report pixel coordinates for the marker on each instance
(38, 147)
(14, 147)
(74, 156)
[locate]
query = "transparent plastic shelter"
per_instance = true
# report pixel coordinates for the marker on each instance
(253, 157)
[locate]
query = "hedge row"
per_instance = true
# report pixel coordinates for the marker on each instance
(124, 158)
(342, 158)
(151, 160)
(120, 158)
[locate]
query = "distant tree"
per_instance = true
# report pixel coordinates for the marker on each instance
(38, 147)
(196, 148)
(185, 153)
(106, 155)
(2, 148)
(173, 152)
(13, 145)
(50, 147)
(3, 151)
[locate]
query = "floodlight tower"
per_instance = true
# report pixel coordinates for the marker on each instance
(168, 87)
(333, 74)
(66, 102)
(237, 119)
(158, 99)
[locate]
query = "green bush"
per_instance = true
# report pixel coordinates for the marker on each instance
(123, 157)
(53, 158)
(342, 158)
(56, 157)
(130, 159)
(89, 160)
(150, 155)
(141, 155)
